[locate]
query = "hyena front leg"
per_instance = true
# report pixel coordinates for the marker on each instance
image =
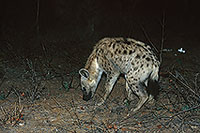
(130, 93)
(110, 81)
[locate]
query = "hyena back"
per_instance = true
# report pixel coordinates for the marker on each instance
(115, 56)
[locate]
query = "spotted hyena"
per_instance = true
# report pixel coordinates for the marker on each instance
(115, 56)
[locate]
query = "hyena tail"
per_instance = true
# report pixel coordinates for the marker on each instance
(155, 74)
(153, 85)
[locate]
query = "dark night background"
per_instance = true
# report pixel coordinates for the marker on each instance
(44, 44)
(89, 20)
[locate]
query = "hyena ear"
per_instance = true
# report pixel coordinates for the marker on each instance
(84, 73)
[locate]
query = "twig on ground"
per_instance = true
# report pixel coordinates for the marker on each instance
(73, 106)
(190, 109)
(196, 81)
(187, 86)
(5, 116)
(159, 120)
(3, 79)
(71, 115)
(18, 112)
(13, 115)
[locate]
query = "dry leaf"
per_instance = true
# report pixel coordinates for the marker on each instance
(81, 108)
(159, 126)
(115, 126)
(124, 129)
(109, 126)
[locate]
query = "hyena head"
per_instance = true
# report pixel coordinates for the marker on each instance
(88, 84)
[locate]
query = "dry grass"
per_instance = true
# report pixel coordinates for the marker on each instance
(42, 94)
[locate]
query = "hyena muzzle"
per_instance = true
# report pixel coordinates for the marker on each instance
(115, 56)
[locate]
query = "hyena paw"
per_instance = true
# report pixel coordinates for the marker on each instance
(151, 100)
(133, 111)
(101, 103)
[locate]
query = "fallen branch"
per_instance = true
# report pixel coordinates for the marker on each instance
(184, 85)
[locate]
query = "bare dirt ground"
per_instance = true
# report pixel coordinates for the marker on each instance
(41, 93)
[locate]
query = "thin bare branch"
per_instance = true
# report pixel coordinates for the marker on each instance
(184, 85)
(149, 40)
(162, 36)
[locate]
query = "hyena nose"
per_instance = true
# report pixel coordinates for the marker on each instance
(83, 89)
(87, 97)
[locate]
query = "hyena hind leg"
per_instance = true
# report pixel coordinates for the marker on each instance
(131, 95)
(141, 92)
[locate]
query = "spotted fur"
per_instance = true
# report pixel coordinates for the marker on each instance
(115, 56)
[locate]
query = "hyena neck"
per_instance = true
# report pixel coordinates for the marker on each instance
(94, 70)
